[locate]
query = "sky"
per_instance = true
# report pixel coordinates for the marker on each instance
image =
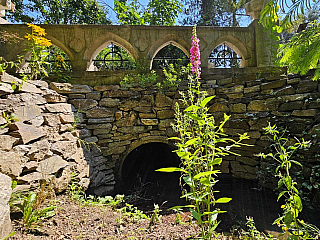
(244, 22)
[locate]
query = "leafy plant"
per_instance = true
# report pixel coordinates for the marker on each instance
(142, 80)
(252, 233)
(309, 185)
(173, 76)
(177, 210)
(131, 214)
(32, 215)
(5, 64)
(77, 193)
(201, 145)
(155, 217)
(59, 64)
(10, 118)
(37, 46)
(301, 53)
(289, 221)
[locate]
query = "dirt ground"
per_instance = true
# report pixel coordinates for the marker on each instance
(75, 221)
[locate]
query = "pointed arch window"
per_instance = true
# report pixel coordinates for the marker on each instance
(114, 58)
(224, 56)
(169, 54)
(58, 59)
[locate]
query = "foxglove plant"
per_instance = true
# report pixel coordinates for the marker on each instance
(195, 54)
(197, 146)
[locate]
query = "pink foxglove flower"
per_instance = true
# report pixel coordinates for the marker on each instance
(13, 7)
(195, 54)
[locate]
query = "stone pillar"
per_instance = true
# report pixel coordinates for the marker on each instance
(79, 64)
(5, 194)
(4, 5)
(264, 46)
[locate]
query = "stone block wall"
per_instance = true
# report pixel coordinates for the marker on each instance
(112, 121)
(42, 144)
(120, 119)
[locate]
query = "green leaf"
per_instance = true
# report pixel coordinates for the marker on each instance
(188, 180)
(297, 202)
(205, 101)
(288, 218)
(215, 161)
(293, 237)
(170, 169)
(191, 141)
(297, 163)
(223, 200)
(194, 117)
(203, 174)
(174, 138)
(183, 155)
(195, 214)
(288, 181)
(191, 108)
(179, 207)
(281, 194)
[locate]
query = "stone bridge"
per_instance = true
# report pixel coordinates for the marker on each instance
(123, 122)
(127, 122)
(82, 43)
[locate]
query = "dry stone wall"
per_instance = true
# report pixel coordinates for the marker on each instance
(112, 121)
(120, 119)
(42, 144)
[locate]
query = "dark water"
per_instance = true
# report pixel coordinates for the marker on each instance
(145, 187)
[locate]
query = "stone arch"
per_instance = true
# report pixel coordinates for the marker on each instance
(60, 45)
(24, 64)
(139, 167)
(165, 41)
(135, 144)
(103, 42)
(233, 43)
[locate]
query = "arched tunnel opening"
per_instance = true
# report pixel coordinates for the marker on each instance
(145, 186)
(143, 183)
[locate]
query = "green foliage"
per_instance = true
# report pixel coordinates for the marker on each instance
(158, 12)
(173, 76)
(131, 214)
(10, 235)
(59, 12)
(252, 233)
(289, 221)
(78, 194)
(301, 53)
(201, 147)
(155, 217)
(129, 14)
(32, 215)
(37, 45)
(142, 80)
(5, 64)
(59, 64)
(213, 12)
(162, 12)
(10, 118)
(309, 185)
(177, 210)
